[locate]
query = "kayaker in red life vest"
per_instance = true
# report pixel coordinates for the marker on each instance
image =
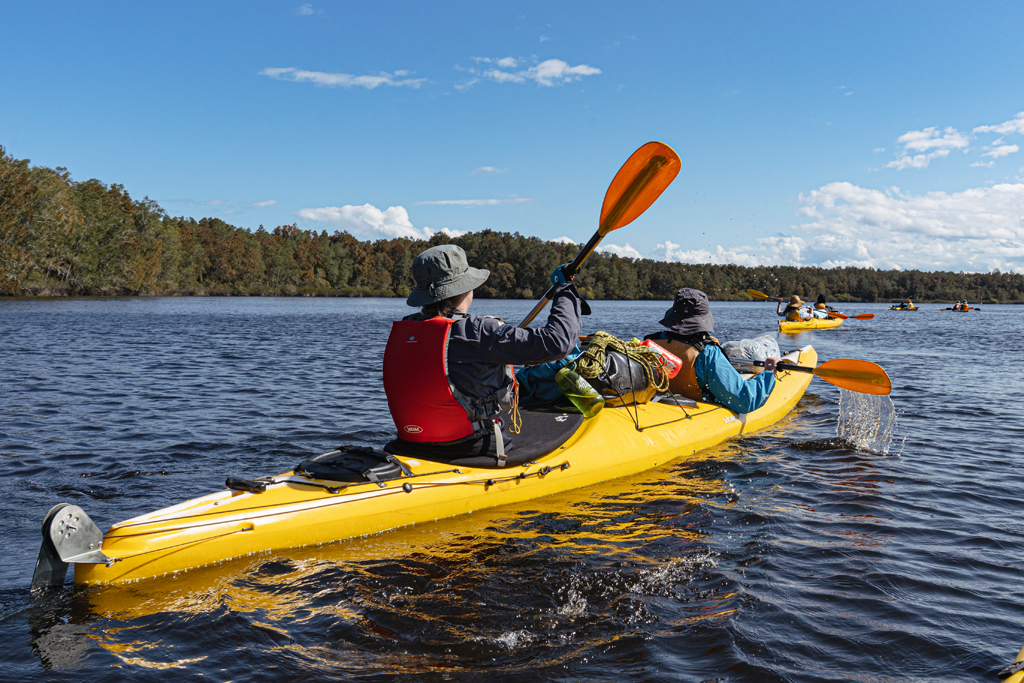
(448, 374)
(707, 375)
(794, 309)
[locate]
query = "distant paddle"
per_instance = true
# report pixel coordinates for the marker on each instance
(640, 181)
(852, 374)
(860, 316)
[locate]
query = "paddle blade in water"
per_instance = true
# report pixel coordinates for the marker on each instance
(855, 375)
(753, 293)
(640, 181)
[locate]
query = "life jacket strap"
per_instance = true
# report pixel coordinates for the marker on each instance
(499, 441)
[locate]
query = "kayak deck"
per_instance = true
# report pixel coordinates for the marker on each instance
(297, 511)
(812, 324)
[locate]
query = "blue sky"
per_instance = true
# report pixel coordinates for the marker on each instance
(875, 134)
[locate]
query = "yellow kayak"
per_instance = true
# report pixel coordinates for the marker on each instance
(903, 308)
(295, 510)
(812, 324)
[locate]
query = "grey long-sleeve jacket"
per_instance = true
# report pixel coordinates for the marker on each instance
(480, 347)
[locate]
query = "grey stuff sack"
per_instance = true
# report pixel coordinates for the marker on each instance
(752, 349)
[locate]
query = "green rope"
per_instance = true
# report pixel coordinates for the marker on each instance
(591, 363)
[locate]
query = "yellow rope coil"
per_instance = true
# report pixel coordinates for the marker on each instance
(591, 363)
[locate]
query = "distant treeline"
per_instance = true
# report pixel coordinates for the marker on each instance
(63, 237)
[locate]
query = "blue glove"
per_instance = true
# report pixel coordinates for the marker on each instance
(558, 275)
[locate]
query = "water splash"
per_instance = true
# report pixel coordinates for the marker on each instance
(866, 421)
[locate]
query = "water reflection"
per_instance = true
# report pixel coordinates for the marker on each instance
(554, 577)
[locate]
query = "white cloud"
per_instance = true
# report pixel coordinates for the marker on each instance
(674, 253)
(369, 221)
(924, 140)
(330, 80)
(626, 251)
(983, 164)
(918, 161)
(479, 202)
(931, 138)
(305, 10)
(846, 225)
(1014, 125)
(1001, 151)
(263, 205)
(548, 73)
(489, 170)
(564, 240)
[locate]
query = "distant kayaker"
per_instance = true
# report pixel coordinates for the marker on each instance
(794, 309)
(448, 374)
(707, 375)
(821, 307)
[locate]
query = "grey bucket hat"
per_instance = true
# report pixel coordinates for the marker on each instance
(690, 313)
(442, 272)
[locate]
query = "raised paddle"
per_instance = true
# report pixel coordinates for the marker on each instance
(861, 376)
(639, 182)
(754, 294)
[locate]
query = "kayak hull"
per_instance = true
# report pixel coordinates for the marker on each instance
(298, 511)
(812, 324)
(899, 308)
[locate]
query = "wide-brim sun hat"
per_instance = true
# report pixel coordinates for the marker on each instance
(443, 272)
(690, 313)
(795, 301)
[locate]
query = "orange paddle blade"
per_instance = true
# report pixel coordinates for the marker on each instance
(840, 316)
(640, 181)
(754, 294)
(863, 316)
(855, 375)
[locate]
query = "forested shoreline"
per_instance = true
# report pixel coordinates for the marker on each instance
(61, 237)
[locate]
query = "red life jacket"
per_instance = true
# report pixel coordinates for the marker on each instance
(420, 395)
(425, 405)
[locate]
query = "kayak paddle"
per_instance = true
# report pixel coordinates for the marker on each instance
(640, 181)
(861, 376)
(754, 294)
(841, 316)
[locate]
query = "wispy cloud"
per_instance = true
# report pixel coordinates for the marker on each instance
(1014, 125)
(488, 170)
(548, 73)
(305, 10)
(479, 202)
(997, 151)
(933, 143)
(369, 221)
(338, 80)
(265, 204)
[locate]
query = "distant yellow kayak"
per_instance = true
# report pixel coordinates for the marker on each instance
(903, 308)
(812, 324)
(293, 509)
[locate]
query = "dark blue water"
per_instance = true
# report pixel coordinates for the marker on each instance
(790, 555)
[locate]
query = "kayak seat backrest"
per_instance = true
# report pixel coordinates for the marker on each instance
(354, 465)
(542, 432)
